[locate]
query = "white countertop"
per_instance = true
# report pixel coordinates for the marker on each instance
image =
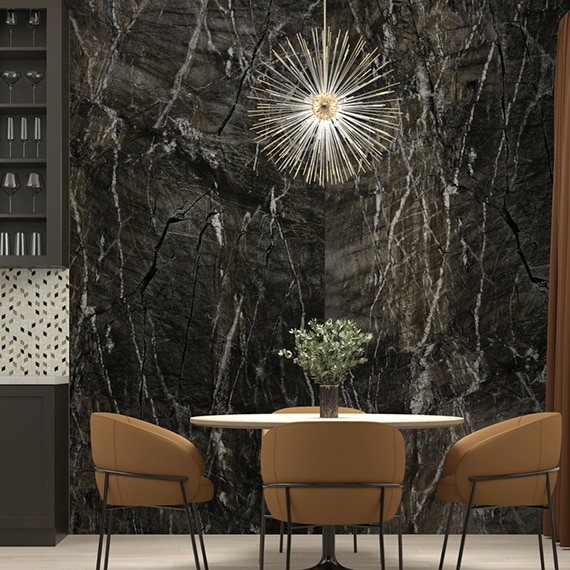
(33, 380)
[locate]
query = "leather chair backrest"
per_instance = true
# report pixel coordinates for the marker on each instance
(123, 443)
(328, 451)
(519, 445)
(315, 410)
(311, 410)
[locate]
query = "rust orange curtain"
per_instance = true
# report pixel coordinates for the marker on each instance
(558, 347)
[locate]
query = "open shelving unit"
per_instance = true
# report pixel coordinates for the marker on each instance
(34, 139)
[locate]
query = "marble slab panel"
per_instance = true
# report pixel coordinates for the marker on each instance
(194, 257)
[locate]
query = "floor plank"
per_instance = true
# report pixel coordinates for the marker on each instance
(240, 552)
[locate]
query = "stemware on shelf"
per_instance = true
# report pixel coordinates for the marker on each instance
(34, 184)
(10, 185)
(34, 77)
(11, 21)
(38, 134)
(4, 243)
(36, 243)
(10, 77)
(24, 134)
(20, 244)
(10, 134)
(34, 22)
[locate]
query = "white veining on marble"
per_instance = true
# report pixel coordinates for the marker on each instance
(194, 257)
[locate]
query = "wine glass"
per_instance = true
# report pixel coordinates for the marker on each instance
(37, 134)
(11, 20)
(10, 185)
(10, 78)
(10, 134)
(35, 185)
(24, 134)
(36, 243)
(34, 77)
(20, 245)
(4, 243)
(34, 23)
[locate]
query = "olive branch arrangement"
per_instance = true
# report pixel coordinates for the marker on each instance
(327, 351)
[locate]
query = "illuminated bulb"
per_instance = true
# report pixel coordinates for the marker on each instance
(324, 106)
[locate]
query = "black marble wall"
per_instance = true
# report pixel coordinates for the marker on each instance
(193, 256)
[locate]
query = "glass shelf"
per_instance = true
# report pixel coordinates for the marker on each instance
(16, 217)
(23, 53)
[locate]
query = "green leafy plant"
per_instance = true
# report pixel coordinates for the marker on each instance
(327, 351)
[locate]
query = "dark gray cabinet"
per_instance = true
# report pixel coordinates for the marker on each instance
(34, 139)
(34, 464)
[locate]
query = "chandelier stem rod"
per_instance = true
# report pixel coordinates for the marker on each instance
(325, 47)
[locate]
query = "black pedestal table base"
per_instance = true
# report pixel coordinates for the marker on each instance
(328, 559)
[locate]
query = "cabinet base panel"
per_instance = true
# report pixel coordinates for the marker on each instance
(30, 536)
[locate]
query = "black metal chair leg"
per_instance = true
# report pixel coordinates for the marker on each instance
(200, 535)
(281, 533)
(103, 529)
(101, 535)
(109, 531)
(382, 550)
(446, 537)
(551, 517)
(381, 531)
(262, 535)
(190, 525)
(354, 540)
(192, 536)
(289, 530)
(539, 533)
(466, 522)
(400, 545)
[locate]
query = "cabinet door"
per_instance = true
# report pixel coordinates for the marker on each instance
(34, 147)
(34, 472)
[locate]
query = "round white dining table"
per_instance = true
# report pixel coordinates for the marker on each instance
(264, 421)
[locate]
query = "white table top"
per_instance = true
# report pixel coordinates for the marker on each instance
(263, 421)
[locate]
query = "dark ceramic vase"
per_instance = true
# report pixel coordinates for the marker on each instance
(328, 400)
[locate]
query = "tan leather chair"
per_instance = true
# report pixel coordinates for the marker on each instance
(311, 410)
(332, 473)
(513, 463)
(139, 464)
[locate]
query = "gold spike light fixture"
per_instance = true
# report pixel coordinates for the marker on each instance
(325, 113)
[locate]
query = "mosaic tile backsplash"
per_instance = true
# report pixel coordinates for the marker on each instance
(34, 322)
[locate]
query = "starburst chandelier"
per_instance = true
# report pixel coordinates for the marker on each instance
(321, 113)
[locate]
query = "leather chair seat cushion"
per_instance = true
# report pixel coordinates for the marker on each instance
(447, 490)
(205, 491)
(506, 492)
(130, 492)
(333, 506)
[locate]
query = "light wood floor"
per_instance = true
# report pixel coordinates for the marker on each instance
(239, 552)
